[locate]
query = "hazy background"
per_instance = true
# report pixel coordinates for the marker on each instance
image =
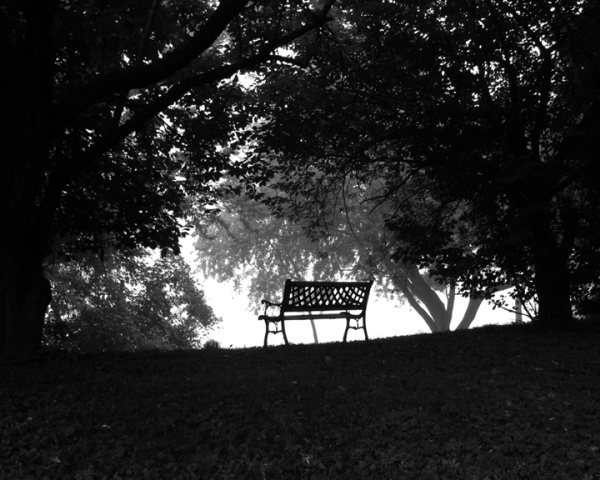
(241, 328)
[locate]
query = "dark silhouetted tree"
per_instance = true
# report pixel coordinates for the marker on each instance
(111, 117)
(491, 109)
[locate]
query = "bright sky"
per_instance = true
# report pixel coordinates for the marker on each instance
(240, 328)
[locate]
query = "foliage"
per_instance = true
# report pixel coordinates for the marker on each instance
(117, 113)
(244, 242)
(500, 402)
(126, 301)
(169, 153)
(487, 112)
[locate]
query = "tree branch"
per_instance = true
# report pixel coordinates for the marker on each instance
(139, 76)
(143, 75)
(175, 93)
(450, 305)
(412, 301)
(139, 58)
(470, 313)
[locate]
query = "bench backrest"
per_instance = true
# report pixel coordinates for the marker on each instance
(301, 296)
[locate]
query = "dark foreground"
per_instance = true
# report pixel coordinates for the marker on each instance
(493, 403)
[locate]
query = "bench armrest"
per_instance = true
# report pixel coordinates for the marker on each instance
(268, 304)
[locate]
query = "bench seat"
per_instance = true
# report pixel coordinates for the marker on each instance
(315, 316)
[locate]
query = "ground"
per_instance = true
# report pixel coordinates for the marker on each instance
(492, 403)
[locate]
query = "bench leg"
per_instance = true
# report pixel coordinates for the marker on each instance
(266, 333)
(347, 328)
(364, 327)
(283, 331)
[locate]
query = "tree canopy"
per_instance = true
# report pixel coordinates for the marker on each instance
(488, 112)
(114, 121)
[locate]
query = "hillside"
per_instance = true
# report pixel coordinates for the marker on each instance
(496, 403)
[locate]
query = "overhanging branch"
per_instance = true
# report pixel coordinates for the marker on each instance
(176, 92)
(143, 75)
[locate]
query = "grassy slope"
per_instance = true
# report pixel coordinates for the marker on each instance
(502, 402)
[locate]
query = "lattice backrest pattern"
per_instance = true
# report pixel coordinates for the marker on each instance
(299, 296)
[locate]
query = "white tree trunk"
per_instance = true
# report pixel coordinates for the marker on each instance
(518, 310)
(470, 313)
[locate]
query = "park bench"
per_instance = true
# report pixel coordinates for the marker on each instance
(319, 300)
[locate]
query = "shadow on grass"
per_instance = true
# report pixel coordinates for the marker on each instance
(496, 402)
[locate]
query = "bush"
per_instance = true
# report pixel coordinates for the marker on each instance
(211, 345)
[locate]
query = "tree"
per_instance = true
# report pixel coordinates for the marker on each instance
(493, 107)
(98, 92)
(126, 301)
(243, 241)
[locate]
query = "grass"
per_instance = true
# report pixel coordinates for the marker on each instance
(491, 403)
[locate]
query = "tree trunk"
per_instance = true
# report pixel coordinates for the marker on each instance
(413, 302)
(417, 288)
(518, 310)
(24, 291)
(450, 298)
(25, 213)
(25, 296)
(436, 315)
(552, 276)
(553, 290)
(470, 313)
